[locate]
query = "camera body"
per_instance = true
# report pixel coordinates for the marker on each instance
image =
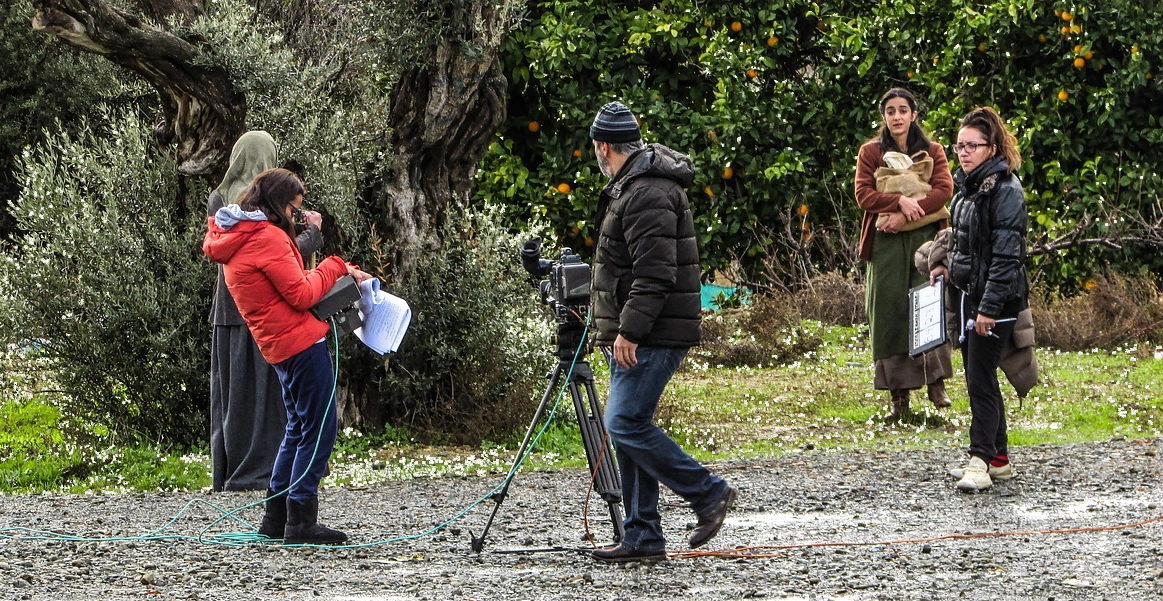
(567, 280)
(340, 304)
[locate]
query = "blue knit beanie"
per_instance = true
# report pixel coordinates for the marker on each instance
(615, 124)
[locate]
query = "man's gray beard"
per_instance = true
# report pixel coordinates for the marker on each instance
(604, 166)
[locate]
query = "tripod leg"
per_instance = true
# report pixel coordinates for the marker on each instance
(598, 452)
(478, 543)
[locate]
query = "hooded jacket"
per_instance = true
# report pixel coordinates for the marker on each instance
(265, 275)
(646, 284)
(988, 253)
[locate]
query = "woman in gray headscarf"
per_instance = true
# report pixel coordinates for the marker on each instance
(247, 416)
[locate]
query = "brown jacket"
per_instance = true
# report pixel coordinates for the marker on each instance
(870, 159)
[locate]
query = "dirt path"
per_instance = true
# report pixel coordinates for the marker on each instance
(812, 498)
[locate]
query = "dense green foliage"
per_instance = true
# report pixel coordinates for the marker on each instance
(36, 69)
(108, 289)
(772, 100)
(478, 345)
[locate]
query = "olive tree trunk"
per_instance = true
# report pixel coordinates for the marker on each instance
(443, 116)
(204, 114)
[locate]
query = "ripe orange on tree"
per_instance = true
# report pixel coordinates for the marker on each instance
(534, 126)
(752, 73)
(736, 26)
(1042, 38)
(773, 40)
(1063, 95)
(1089, 55)
(563, 188)
(577, 153)
(728, 172)
(1067, 15)
(708, 191)
(1079, 63)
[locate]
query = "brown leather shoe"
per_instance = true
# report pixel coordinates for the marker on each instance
(712, 519)
(900, 404)
(621, 554)
(938, 396)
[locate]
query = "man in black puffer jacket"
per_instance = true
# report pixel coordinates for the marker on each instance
(647, 307)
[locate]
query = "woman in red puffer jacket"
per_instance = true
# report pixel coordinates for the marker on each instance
(255, 242)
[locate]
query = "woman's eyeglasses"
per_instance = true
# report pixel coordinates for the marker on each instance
(967, 147)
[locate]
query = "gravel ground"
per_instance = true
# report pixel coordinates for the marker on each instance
(535, 549)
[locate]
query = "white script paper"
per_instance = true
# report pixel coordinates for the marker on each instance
(385, 318)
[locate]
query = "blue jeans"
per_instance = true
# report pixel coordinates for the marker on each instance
(648, 457)
(312, 419)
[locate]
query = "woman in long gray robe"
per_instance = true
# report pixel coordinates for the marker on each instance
(247, 416)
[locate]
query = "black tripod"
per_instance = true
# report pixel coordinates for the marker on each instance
(571, 341)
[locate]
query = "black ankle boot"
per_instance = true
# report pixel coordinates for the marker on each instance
(303, 527)
(274, 521)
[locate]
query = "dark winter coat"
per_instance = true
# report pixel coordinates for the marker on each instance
(987, 259)
(646, 283)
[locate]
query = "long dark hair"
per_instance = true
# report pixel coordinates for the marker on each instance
(917, 140)
(271, 192)
(986, 120)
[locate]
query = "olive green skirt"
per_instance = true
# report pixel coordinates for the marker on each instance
(889, 276)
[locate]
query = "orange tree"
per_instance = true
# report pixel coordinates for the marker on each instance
(772, 99)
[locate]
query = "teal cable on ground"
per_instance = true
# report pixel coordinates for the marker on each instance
(251, 536)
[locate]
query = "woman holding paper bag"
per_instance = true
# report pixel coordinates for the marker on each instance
(902, 183)
(987, 268)
(255, 242)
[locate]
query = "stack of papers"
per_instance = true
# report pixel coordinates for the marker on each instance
(385, 318)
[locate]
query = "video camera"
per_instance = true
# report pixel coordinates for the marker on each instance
(567, 283)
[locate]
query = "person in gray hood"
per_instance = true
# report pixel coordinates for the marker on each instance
(647, 309)
(247, 416)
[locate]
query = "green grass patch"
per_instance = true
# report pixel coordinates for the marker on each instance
(820, 403)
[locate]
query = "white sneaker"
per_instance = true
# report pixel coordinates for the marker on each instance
(1004, 472)
(975, 476)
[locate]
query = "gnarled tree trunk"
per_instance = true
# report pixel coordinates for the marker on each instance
(204, 113)
(443, 118)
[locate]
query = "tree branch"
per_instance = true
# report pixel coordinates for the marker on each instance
(204, 114)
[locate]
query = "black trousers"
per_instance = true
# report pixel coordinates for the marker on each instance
(981, 355)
